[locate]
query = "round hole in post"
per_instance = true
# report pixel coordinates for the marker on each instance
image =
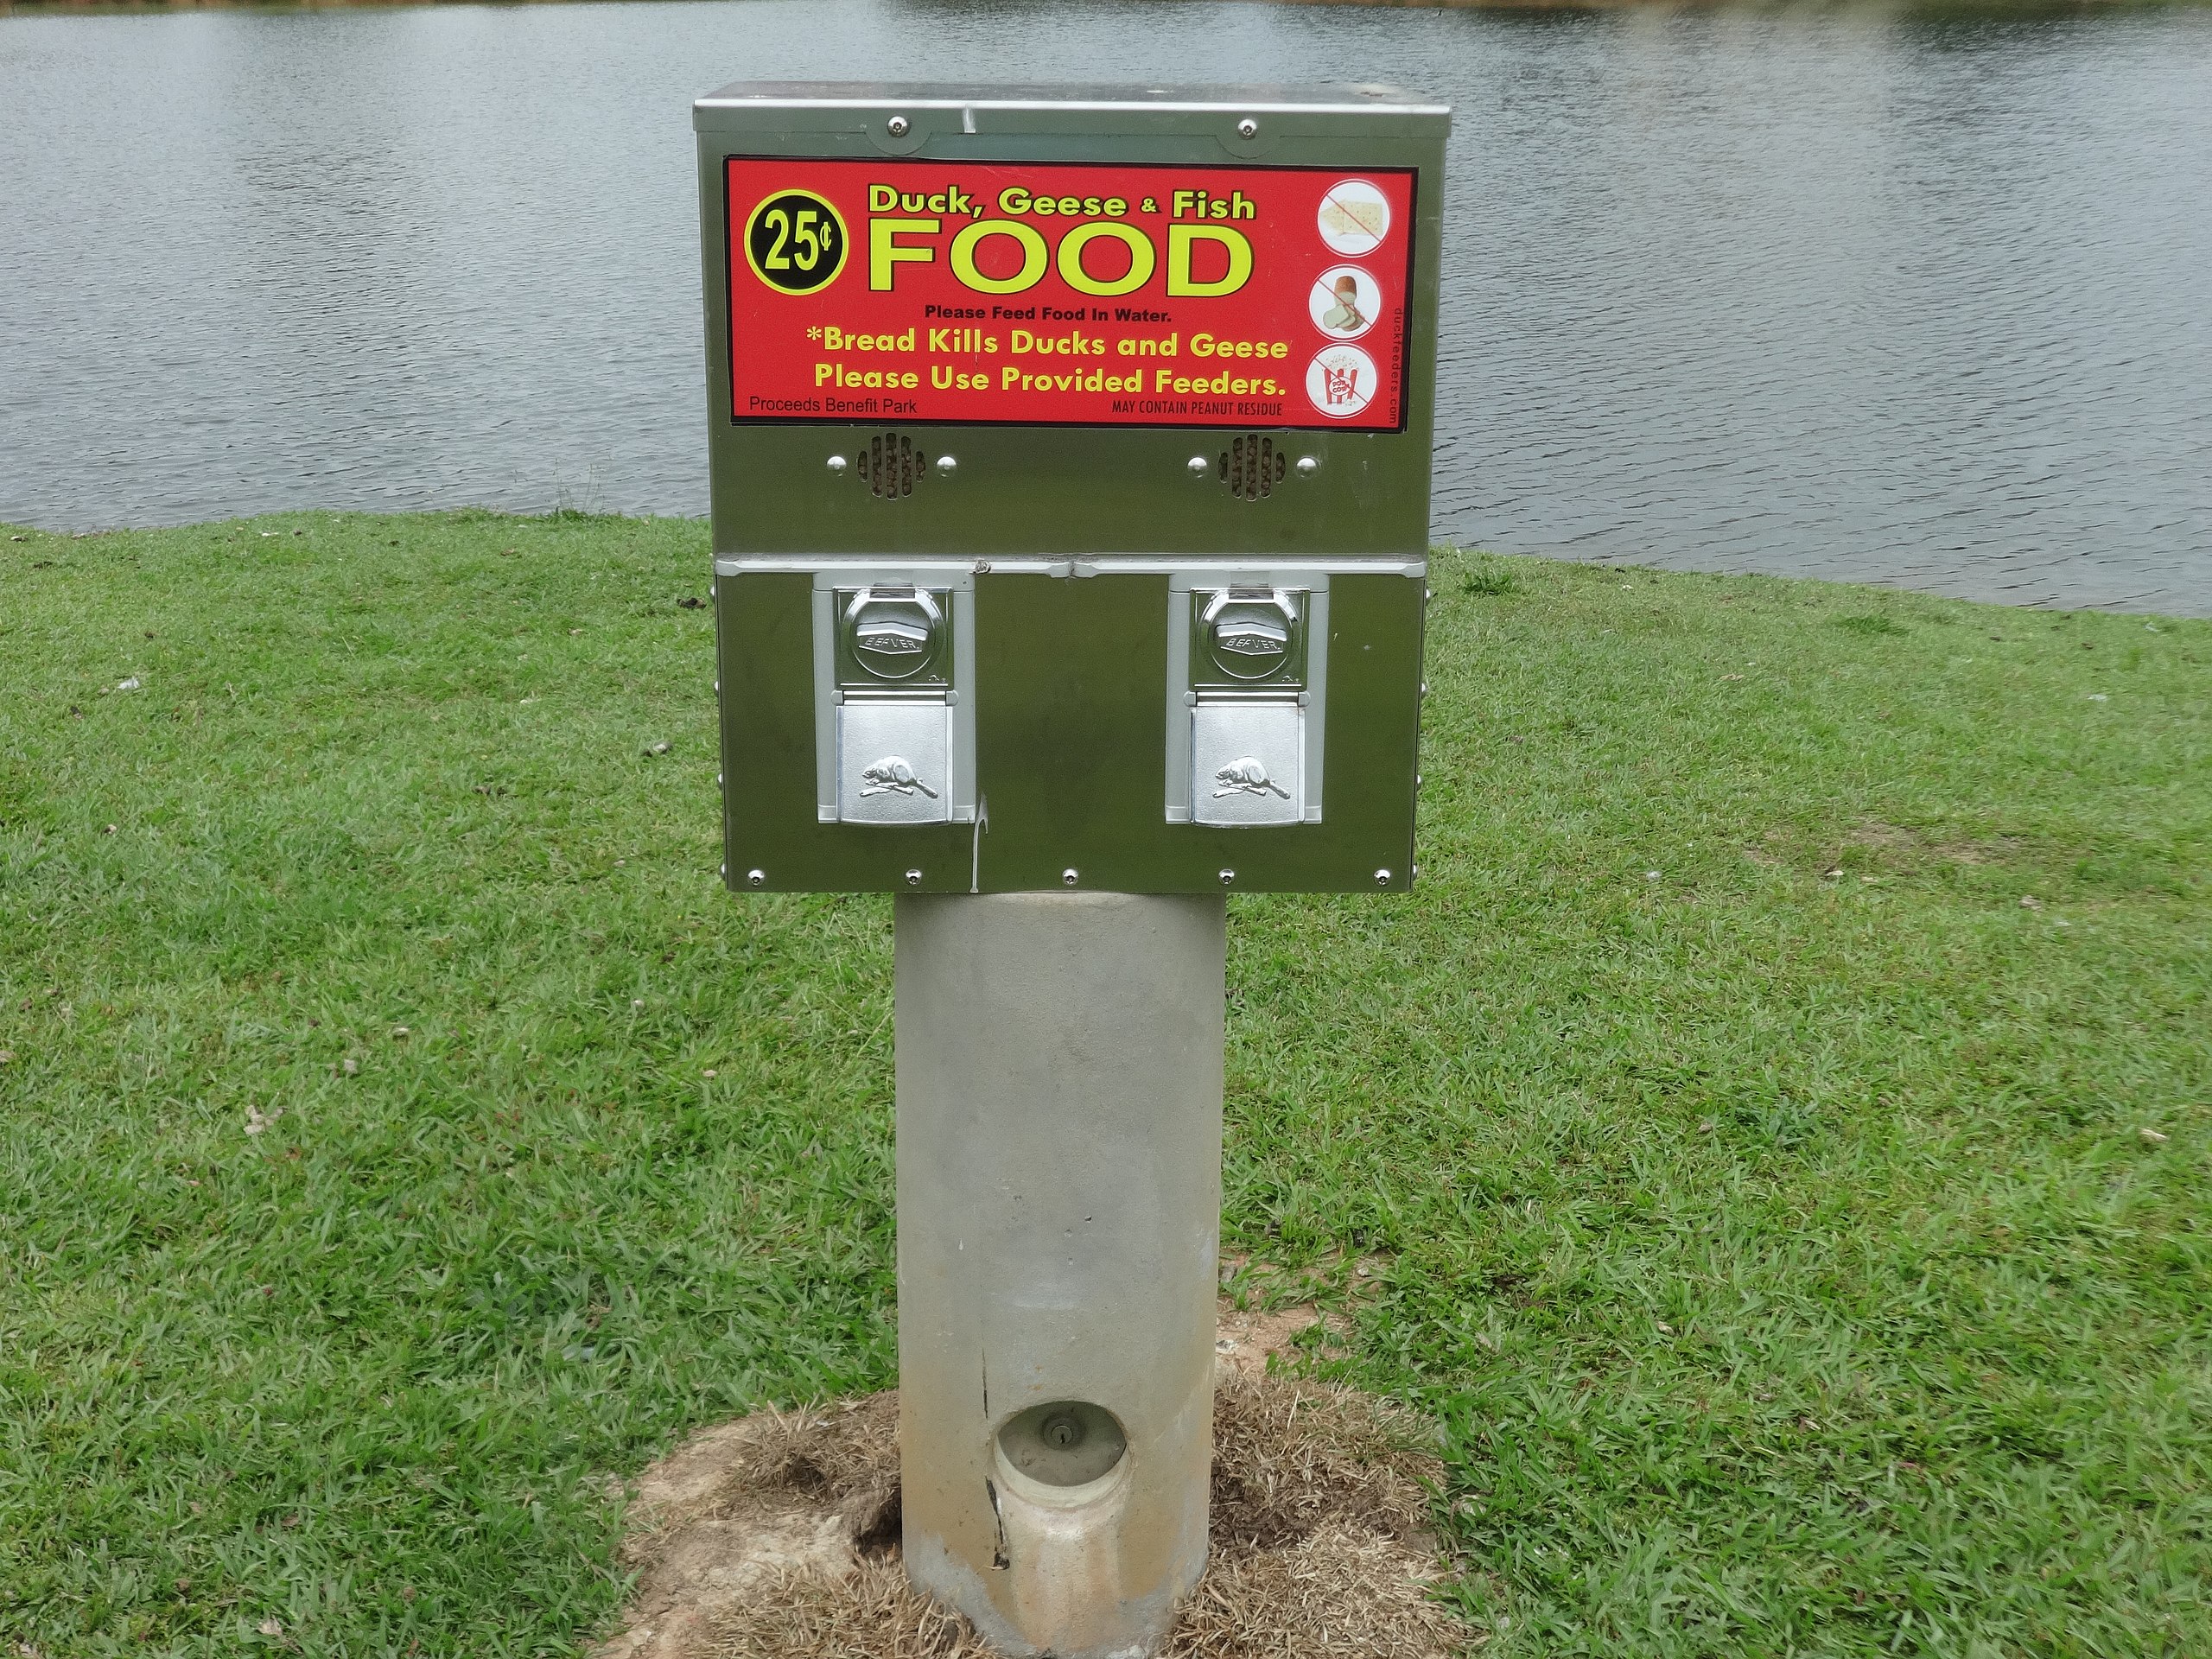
(1064, 1445)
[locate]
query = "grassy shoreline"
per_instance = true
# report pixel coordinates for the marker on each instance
(1759, 1191)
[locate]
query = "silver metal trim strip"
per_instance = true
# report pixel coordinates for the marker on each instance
(1200, 570)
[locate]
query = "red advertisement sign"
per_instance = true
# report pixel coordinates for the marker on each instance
(1090, 295)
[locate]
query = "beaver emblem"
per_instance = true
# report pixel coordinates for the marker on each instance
(893, 775)
(1246, 777)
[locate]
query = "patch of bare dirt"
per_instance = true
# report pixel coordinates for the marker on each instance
(1246, 1339)
(777, 1536)
(741, 1506)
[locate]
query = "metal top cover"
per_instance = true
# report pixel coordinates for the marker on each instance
(1360, 98)
(969, 322)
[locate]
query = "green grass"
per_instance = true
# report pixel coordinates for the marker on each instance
(1758, 1189)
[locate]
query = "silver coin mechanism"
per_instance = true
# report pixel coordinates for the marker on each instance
(1064, 1443)
(1245, 740)
(893, 745)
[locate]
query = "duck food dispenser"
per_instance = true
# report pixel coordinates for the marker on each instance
(1070, 455)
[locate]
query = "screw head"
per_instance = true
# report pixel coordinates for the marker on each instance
(1307, 466)
(1067, 878)
(913, 877)
(896, 126)
(1062, 1433)
(1200, 466)
(947, 465)
(836, 463)
(1382, 878)
(756, 878)
(1228, 878)
(1248, 128)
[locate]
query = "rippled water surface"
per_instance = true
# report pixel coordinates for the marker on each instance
(1923, 302)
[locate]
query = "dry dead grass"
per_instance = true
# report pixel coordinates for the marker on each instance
(776, 1537)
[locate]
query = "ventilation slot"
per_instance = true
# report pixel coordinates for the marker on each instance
(891, 466)
(1252, 467)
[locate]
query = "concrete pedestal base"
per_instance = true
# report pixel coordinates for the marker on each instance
(1059, 1196)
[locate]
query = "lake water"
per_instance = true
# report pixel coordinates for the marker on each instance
(1925, 303)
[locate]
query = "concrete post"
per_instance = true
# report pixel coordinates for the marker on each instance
(1059, 1197)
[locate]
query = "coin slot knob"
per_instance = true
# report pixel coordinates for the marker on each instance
(893, 633)
(1249, 634)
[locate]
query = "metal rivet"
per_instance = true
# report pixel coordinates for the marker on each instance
(1227, 877)
(1067, 878)
(1416, 780)
(896, 126)
(913, 877)
(947, 464)
(836, 463)
(1382, 878)
(1200, 466)
(1248, 128)
(756, 878)
(1307, 466)
(1424, 688)
(718, 780)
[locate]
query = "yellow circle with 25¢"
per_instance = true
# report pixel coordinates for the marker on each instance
(795, 242)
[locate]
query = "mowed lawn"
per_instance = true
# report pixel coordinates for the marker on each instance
(1775, 1130)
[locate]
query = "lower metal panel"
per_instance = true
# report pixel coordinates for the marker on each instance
(1070, 711)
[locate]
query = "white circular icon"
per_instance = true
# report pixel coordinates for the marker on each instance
(1345, 302)
(1355, 216)
(1340, 381)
